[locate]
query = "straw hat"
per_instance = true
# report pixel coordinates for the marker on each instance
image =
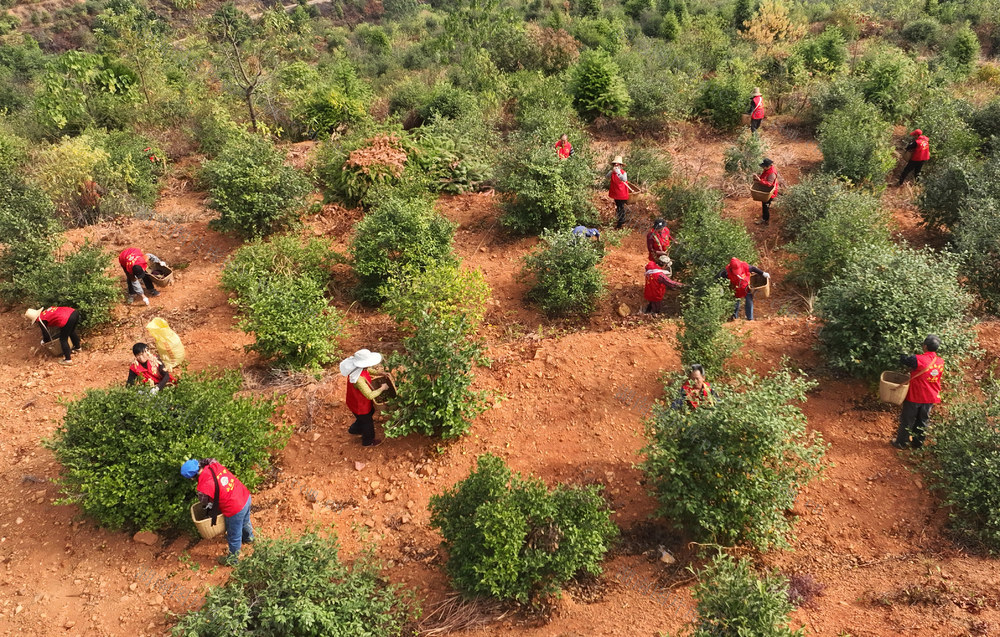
(32, 315)
(618, 160)
(756, 91)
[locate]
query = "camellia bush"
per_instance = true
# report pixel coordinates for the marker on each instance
(977, 241)
(727, 473)
(330, 597)
(512, 538)
(355, 168)
(856, 143)
(886, 301)
(563, 273)
(598, 88)
(121, 448)
(76, 279)
(27, 235)
(742, 159)
(701, 337)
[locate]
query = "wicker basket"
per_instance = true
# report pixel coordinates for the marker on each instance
(760, 285)
(162, 275)
(746, 119)
(762, 192)
(893, 387)
(203, 522)
(389, 393)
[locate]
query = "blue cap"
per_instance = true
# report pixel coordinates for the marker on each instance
(190, 468)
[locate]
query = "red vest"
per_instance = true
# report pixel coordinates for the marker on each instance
(356, 401)
(130, 257)
(923, 150)
(56, 316)
(563, 149)
(656, 288)
(149, 371)
(739, 277)
(926, 387)
(657, 241)
(232, 494)
(618, 190)
(694, 396)
(770, 177)
(758, 110)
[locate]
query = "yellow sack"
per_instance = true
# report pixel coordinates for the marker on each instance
(168, 344)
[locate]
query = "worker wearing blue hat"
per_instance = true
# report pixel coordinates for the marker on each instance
(220, 492)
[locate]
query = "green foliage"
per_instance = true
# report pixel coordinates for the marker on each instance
(439, 310)
(925, 31)
(657, 91)
(121, 448)
(978, 242)
(743, 12)
(601, 33)
(826, 53)
(214, 128)
(701, 338)
(964, 49)
(27, 229)
(965, 465)
(727, 473)
(940, 118)
(456, 155)
(82, 89)
(399, 236)
(887, 80)
(542, 106)
(725, 97)
(598, 88)
(342, 100)
(986, 123)
(946, 189)
(512, 538)
(563, 273)
(135, 164)
(886, 302)
(283, 255)
(742, 159)
(734, 601)
(253, 191)
(61, 168)
(357, 168)
(855, 142)
(75, 279)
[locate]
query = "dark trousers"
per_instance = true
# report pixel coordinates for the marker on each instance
(755, 124)
(765, 210)
(654, 307)
(911, 165)
(364, 425)
(913, 421)
(67, 333)
(620, 212)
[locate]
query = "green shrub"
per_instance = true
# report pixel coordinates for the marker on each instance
(542, 106)
(342, 100)
(601, 33)
(986, 123)
(648, 166)
(725, 97)
(61, 168)
(964, 49)
(742, 159)
(439, 311)
(456, 155)
(121, 448)
(965, 465)
(923, 31)
(329, 598)
(977, 241)
(598, 88)
(284, 255)
(563, 275)
(855, 142)
(399, 235)
(588, 8)
(75, 279)
(214, 128)
(357, 167)
(656, 90)
(734, 601)
(135, 163)
(728, 473)
(700, 335)
(940, 118)
(946, 189)
(885, 303)
(512, 538)
(825, 53)
(887, 79)
(250, 187)
(27, 235)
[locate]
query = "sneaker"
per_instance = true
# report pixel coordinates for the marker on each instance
(374, 443)
(154, 293)
(66, 362)
(354, 432)
(899, 445)
(248, 540)
(130, 299)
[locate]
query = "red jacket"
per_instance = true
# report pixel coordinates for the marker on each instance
(356, 401)
(564, 149)
(150, 372)
(925, 380)
(694, 396)
(618, 189)
(739, 277)
(923, 150)
(130, 257)
(657, 241)
(56, 316)
(758, 107)
(770, 178)
(657, 283)
(232, 494)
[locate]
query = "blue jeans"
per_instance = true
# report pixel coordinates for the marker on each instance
(748, 309)
(239, 529)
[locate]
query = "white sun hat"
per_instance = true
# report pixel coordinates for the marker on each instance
(354, 365)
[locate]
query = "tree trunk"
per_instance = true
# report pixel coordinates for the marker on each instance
(253, 113)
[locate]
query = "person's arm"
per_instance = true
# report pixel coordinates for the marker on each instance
(722, 274)
(164, 377)
(757, 270)
(132, 378)
(912, 145)
(908, 361)
(46, 337)
(366, 390)
(203, 499)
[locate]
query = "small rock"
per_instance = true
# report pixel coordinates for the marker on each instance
(623, 310)
(405, 519)
(133, 586)
(358, 466)
(146, 537)
(410, 504)
(19, 521)
(69, 624)
(375, 484)
(389, 497)
(315, 437)
(18, 609)
(666, 557)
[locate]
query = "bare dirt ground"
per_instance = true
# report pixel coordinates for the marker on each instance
(870, 532)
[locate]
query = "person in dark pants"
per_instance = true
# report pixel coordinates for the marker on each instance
(148, 370)
(925, 391)
(738, 272)
(619, 189)
(360, 395)
(66, 319)
(920, 149)
(756, 111)
(768, 178)
(658, 281)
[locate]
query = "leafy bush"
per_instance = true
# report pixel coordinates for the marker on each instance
(986, 122)
(742, 159)
(75, 279)
(439, 310)
(887, 79)
(946, 190)
(27, 229)
(965, 466)
(550, 50)
(400, 235)
(542, 106)
(940, 118)
(657, 91)
(284, 255)
(734, 601)
(512, 538)
(825, 53)
(725, 97)
(728, 473)
(121, 448)
(342, 100)
(923, 31)
(964, 49)
(60, 169)
(978, 243)
(456, 155)
(353, 169)
(601, 33)
(597, 87)
(648, 166)
(563, 273)
(253, 191)
(855, 142)
(700, 335)
(885, 303)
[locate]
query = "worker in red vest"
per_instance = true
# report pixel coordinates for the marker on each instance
(220, 492)
(695, 392)
(658, 281)
(756, 110)
(563, 148)
(148, 370)
(64, 318)
(920, 147)
(619, 189)
(768, 178)
(738, 272)
(360, 394)
(658, 243)
(925, 391)
(134, 263)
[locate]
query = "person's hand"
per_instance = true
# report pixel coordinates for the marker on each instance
(145, 299)
(767, 275)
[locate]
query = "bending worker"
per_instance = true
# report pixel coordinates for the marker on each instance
(66, 319)
(920, 147)
(220, 492)
(695, 391)
(769, 178)
(148, 369)
(658, 243)
(134, 263)
(738, 272)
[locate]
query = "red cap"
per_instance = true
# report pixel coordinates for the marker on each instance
(917, 133)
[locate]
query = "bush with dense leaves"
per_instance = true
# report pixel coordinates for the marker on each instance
(648, 166)
(727, 473)
(725, 97)
(456, 155)
(941, 118)
(330, 598)
(825, 53)
(734, 601)
(75, 279)
(356, 168)
(27, 234)
(926, 31)
(742, 159)
(700, 335)
(439, 311)
(121, 448)
(886, 301)
(855, 142)
(341, 100)
(986, 123)
(252, 189)
(946, 189)
(887, 79)
(510, 537)
(563, 275)
(977, 241)
(964, 49)
(657, 91)
(400, 235)
(598, 88)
